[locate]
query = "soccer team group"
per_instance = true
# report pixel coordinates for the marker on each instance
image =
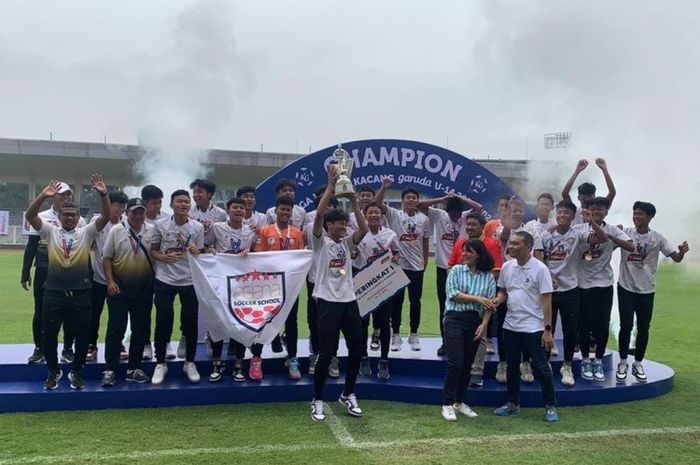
(502, 279)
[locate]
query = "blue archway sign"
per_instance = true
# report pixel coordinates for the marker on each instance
(433, 171)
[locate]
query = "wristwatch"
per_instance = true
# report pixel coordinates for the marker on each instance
(548, 328)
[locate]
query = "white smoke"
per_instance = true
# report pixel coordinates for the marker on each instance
(190, 98)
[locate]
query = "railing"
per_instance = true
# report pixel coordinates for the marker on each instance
(14, 236)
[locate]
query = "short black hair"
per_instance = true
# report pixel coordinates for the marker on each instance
(335, 215)
(503, 197)
(485, 261)
(332, 201)
(70, 205)
(245, 190)
(599, 201)
(118, 197)
(527, 238)
(282, 183)
(546, 195)
(178, 193)
(367, 188)
(409, 190)
(568, 205)
(453, 204)
(151, 192)
(646, 207)
(284, 201)
(586, 189)
(477, 216)
(205, 184)
(236, 200)
(319, 192)
(370, 205)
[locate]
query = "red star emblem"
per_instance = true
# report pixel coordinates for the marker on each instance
(266, 276)
(255, 275)
(246, 278)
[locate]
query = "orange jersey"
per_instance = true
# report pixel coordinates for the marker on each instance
(491, 228)
(271, 237)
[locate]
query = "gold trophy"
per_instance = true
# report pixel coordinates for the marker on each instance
(343, 186)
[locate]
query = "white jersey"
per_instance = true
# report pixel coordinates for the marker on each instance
(447, 233)
(525, 286)
(230, 240)
(257, 220)
(536, 227)
(638, 268)
(297, 220)
(596, 271)
(160, 217)
(98, 272)
(309, 243)
(176, 239)
(561, 255)
(51, 216)
(373, 246)
(208, 217)
(333, 270)
(411, 231)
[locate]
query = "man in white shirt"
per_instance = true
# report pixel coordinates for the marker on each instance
(525, 283)
(152, 197)
(449, 225)
(637, 285)
(596, 283)
(335, 296)
(558, 249)
(586, 191)
(35, 253)
(204, 210)
(252, 218)
(172, 240)
(68, 283)
(545, 205)
(287, 188)
(413, 229)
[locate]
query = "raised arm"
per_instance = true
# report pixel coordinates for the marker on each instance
(32, 213)
(361, 221)
(580, 166)
(325, 198)
(602, 164)
(379, 198)
(101, 189)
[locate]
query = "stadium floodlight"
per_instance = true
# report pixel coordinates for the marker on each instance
(557, 140)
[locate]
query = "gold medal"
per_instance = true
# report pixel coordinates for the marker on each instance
(587, 256)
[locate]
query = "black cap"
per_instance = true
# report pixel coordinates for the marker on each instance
(134, 204)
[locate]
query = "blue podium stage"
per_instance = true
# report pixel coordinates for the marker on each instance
(416, 377)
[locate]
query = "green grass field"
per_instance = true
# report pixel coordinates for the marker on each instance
(663, 430)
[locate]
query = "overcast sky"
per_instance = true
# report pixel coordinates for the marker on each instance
(486, 78)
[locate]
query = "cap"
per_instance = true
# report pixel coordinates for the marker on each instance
(63, 188)
(134, 204)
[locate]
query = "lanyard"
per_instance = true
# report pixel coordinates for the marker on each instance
(284, 245)
(67, 246)
(134, 239)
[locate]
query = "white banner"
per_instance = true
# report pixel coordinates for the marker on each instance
(248, 298)
(4, 222)
(26, 227)
(378, 282)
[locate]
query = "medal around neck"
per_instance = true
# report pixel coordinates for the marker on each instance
(343, 186)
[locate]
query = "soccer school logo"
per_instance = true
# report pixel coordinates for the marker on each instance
(255, 298)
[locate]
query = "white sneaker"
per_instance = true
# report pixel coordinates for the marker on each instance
(190, 369)
(147, 352)
(413, 342)
(567, 375)
(317, 413)
(396, 342)
(351, 405)
(159, 373)
(448, 413)
(526, 375)
(182, 348)
(465, 410)
(502, 372)
(169, 352)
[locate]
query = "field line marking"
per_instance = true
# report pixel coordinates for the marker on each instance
(137, 455)
(339, 430)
